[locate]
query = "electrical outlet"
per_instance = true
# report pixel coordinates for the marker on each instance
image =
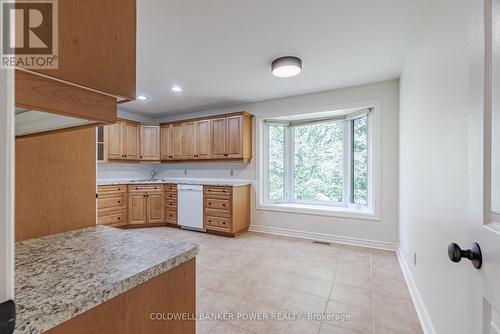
(231, 172)
(415, 259)
(185, 172)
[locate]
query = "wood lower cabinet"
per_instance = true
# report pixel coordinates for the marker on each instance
(226, 210)
(137, 208)
(173, 292)
(171, 204)
(155, 207)
(112, 205)
(146, 204)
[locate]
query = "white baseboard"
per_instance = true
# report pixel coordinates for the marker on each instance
(324, 237)
(423, 315)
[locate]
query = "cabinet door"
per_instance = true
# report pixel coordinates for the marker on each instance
(102, 144)
(155, 207)
(176, 141)
(165, 133)
(234, 140)
(203, 139)
(189, 140)
(137, 208)
(115, 141)
(218, 138)
(150, 142)
(131, 141)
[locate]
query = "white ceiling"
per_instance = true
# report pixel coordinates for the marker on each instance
(219, 51)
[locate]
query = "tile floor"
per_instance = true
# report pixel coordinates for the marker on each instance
(258, 275)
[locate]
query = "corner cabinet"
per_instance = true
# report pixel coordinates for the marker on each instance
(146, 204)
(217, 138)
(150, 143)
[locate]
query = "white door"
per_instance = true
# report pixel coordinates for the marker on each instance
(484, 149)
(6, 191)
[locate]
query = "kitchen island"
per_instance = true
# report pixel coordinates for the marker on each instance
(104, 280)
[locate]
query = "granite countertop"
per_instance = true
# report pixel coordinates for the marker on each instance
(63, 275)
(207, 182)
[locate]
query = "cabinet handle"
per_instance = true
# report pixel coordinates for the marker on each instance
(119, 202)
(143, 195)
(209, 221)
(223, 204)
(141, 156)
(209, 203)
(119, 218)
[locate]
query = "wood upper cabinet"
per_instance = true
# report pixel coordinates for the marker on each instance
(234, 136)
(130, 138)
(189, 140)
(218, 140)
(97, 46)
(123, 141)
(114, 141)
(137, 208)
(203, 139)
(223, 137)
(150, 142)
(165, 151)
(176, 141)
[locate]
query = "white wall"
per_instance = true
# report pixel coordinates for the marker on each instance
(386, 229)
(434, 163)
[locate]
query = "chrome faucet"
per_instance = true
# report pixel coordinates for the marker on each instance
(154, 173)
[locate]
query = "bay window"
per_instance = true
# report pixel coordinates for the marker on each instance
(323, 161)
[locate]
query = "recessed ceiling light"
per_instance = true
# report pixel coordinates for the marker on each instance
(286, 67)
(176, 89)
(142, 97)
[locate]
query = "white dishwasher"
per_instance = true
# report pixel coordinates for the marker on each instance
(190, 200)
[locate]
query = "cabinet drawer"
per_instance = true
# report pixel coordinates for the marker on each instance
(116, 189)
(171, 215)
(216, 203)
(217, 223)
(171, 187)
(145, 187)
(171, 205)
(113, 218)
(218, 191)
(170, 195)
(171, 221)
(111, 201)
(217, 213)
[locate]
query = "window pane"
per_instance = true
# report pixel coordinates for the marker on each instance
(319, 166)
(276, 162)
(360, 160)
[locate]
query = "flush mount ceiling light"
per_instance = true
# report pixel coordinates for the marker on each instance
(176, 89)
(142, 98)
(286, 67)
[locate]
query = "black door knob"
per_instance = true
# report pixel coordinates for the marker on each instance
(455, 253)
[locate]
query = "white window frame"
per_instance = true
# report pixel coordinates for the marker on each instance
(344, 209)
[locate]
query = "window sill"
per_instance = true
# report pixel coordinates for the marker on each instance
(319, 210)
